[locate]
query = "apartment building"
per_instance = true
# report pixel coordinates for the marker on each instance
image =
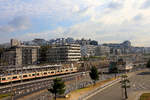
(19, 55)
(102, 50)
(88, 50)
(64, 53)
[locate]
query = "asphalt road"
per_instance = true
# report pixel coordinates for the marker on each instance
(138, 82)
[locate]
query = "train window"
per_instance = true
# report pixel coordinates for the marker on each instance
(33, 74)
(58, 71)
(71, 69)
(61, 71)
(9, 78)
(3, 78)
(52, 72)
(29, 75)
(37, 73)
(14, 77)
(66, 70)
(25, 76)
(45, 73)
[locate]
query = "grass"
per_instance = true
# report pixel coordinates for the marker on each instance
(145, 96)
(4, 95)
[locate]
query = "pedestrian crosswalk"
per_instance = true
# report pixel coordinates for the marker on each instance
(139, 83)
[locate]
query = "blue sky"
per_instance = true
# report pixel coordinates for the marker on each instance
(103, 20)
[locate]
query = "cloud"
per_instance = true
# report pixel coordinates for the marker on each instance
(146, 4)
(115, 5)
(17, 24)
(138, 17)
(103, 20)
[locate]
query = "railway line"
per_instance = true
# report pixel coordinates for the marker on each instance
(25, 88)
(40, 80)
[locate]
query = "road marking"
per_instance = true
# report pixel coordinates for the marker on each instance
(90, 95)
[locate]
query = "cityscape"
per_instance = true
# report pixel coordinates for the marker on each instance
(74, 50)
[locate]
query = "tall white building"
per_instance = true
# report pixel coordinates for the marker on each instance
(64, 53)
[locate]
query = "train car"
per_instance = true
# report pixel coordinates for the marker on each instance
(9, 78)
(37, 74)
(26, 76)
(16, 77)
(73, 69)
(45, 73)
(5, 79)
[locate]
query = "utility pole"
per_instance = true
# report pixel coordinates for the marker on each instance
(76, 81)
(11, 90)
(125, 84)
(21, 73)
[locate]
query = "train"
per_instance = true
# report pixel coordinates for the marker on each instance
(49, 71)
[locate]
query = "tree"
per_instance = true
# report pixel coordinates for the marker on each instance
(113, 67)
(148, 64)
(115, 70)
(125, 84)
(94, 74)
(58, 87)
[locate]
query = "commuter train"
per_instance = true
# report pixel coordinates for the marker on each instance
(36, 74)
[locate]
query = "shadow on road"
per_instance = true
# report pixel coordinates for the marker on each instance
(144, 73)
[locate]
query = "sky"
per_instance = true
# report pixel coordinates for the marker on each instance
(107, 21)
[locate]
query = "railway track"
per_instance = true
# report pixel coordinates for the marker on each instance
(25, 88)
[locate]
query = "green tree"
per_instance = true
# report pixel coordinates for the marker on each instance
(125, 84)
(113, 67)
(94, 74)
(58, 87)
(148, 64)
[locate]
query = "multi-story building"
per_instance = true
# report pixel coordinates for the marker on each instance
(122, 48)
(21, 55)
(102, 50)
(39, 41)
(86, 42)
(64, 53)
(15, 42)
(88, 50)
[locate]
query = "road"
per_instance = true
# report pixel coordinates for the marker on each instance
(138, 82)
